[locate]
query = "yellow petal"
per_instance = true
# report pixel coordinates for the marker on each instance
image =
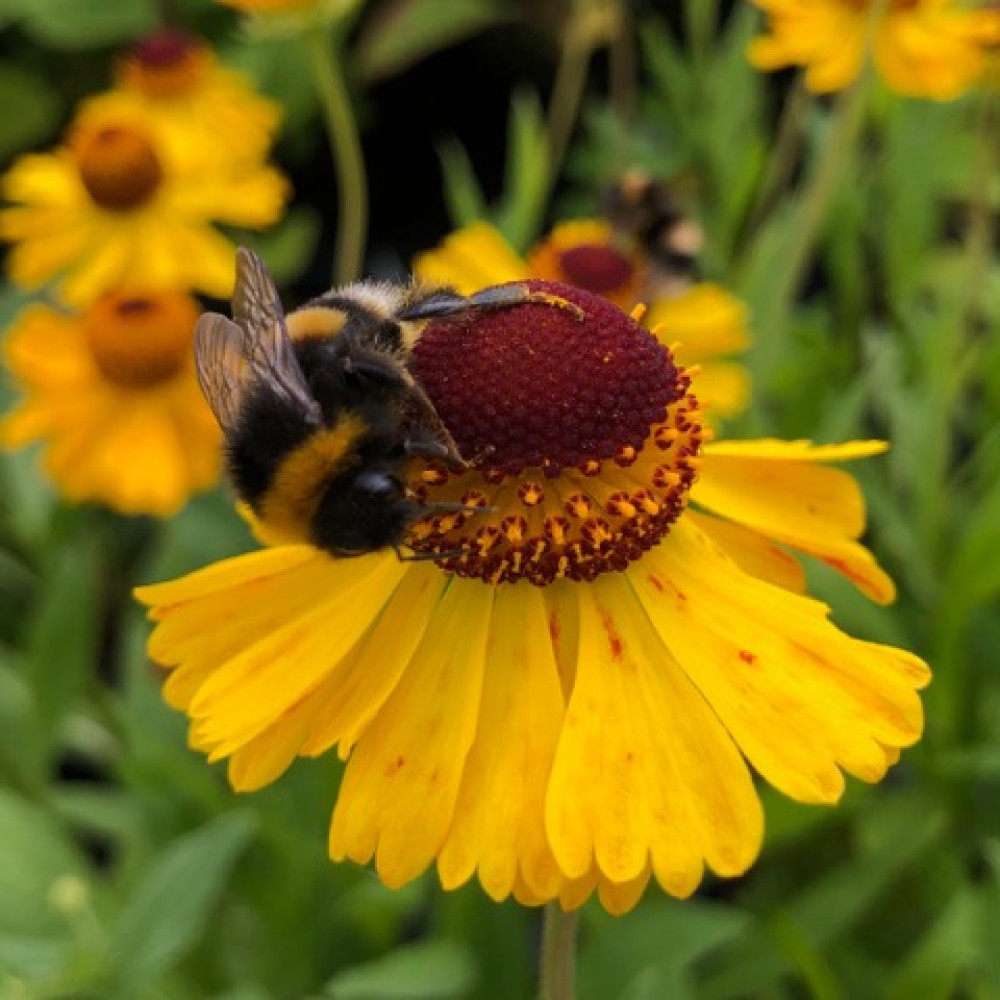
(801, 698)
(365, 678)
(498, 826)
(398, 794)
(644, 771)
(752, 552)
(470, 259)
(781, 492)
(250, 690)
(706, 320)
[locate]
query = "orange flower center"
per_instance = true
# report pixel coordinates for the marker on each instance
(118, 166)
(167, 64)
(583, 253)
(581, 433)
(141, 340)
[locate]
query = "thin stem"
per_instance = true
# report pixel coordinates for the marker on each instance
(822, 185)
(785, 153)
(558, 971)
(582, 32)
(342, 132)
(623, 70)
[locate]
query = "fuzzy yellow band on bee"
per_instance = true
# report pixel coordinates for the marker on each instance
(287, 508)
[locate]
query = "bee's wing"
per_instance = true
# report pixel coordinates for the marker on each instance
(231, 357)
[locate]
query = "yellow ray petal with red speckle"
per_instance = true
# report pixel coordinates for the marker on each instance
(398, 794)
(498, 826)
(801, 698)
(784, 494)
(644, 770)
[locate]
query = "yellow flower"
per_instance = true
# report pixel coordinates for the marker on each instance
(113, 395)
(566, 699)
(173, 84)
(922, 48)
(703, 323)
(111, 208)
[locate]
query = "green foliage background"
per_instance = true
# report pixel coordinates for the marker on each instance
(128, 869)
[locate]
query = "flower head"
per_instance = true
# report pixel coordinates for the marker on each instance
(112, 394)
(922, 48)
(200, 111)
(566, 699)
(701, 324)
(113, 208)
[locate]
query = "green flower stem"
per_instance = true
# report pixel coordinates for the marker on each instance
(564, 102)
(822, 185)
(784, 154)
(558, 971)
(342, 132)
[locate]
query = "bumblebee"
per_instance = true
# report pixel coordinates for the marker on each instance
(320, 415)
(650, 215)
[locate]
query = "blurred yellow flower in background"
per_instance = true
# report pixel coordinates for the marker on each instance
(569, 701)
(702, 324)
(921, 48)
(173, 84)
(111, 207)
(112, 395)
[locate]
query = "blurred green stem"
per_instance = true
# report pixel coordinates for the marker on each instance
(784, 153)
(342, 132)
(558, 972)
(848, 114)
(589, 23)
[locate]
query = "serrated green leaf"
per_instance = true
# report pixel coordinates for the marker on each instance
(73, 24)
(402, 33)
(168, 911)
(434, 970)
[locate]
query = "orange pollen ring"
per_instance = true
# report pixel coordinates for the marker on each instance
(139, 341)
(118, 166)
(589, 438)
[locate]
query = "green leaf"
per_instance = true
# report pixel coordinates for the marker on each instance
(934, 966)
(31, 109)
(434, 970)
(898, 836)
(402, 33)
(660, 941)
(526, 178)
(75, 24)
(36, 856)
(63, 635)
(462, 194)
(171, 906)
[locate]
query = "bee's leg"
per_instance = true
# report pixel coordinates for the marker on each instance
(444, 302)
(505, 296)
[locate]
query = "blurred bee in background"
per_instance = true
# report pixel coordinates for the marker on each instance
(320, 414)
(650, 217)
